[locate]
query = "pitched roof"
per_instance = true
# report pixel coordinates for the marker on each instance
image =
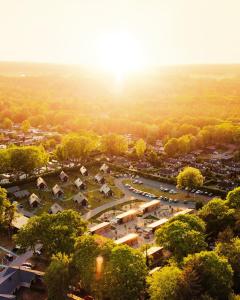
(56, 189)
(104, 168)
(21, 194)
(56, 208)
(34, 198)
(105, 189)
(99, 177)
(83, 170)
(78, 182)
(13, 189)
(19, 221)
(63, 175)
(79, 198)
(40, 180)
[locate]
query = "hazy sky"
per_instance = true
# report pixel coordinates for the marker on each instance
(164, 31)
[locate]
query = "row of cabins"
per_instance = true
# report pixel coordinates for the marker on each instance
(125, 217)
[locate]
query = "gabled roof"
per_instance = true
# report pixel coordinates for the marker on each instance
(99, 177)
(21, 194)
(104, 168)
(13, 189)
(19, 221)
(34, 198)
(105, 189)
(56, 189)
(83, 170)
(79, 198)
(14, 278)
(56, 208)
(63, 175)
(40, 180)
(78, 182)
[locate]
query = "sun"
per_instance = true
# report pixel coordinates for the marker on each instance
(120, 54)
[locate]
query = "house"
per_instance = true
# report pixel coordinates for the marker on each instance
(21, 194)
(55, 208)
(130, 239)
(184, 212)
(157, 224)
(11, 190)
(19, 221)
(83, 171)
(79, 184)
(13, 278)
(100, 228)
(41, 184)
(99, 178)
(105, 189)
(149, 206)
(126, 216)
(80, 199)
(154, 254)
(34, 200)
(63, 176)
(104, 168)
(57, 191)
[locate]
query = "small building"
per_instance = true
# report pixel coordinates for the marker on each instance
(83, 171)
(34, 200)
(126, 216)
(184, 212)
(100, 228)
(154, 254)
(149, 206)
(105, 168)
(63, 176)
(106, 190)
(19, 221)
(80, 199)
(11, 190)
(55, 208)
(79, 184)
(57, 191)
(157, 224)
(21, 194)
(41, 184)
(130, 239)
(99, 179)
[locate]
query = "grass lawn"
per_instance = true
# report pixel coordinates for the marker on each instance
(92, 192)
(181, 195)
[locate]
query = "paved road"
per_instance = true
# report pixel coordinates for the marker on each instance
(129, 195)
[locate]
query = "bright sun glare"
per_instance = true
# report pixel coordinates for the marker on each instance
(120, 54)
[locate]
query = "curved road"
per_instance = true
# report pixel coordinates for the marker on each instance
(129, 195)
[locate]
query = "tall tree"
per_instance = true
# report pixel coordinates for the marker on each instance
(140, 147)
(57, 233)
(114, 144)
(180, 239)
(190, 178)
(25, 126)
(233, 198)
(57, 277)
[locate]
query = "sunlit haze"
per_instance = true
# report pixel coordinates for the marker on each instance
(120, 35)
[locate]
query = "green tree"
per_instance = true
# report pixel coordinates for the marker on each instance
(140, 147)
(114, 144)
(171, 147)
(57, 277)
(125, 277)
(26, 159)
(180, 239)
(233, 198)
(7, 123)
(193, 221)
(189, 178)
(164, 284)
(217, 216)
(25, 126)
(214, 274)
(4, 160)
(57, 233)
(231, 250)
